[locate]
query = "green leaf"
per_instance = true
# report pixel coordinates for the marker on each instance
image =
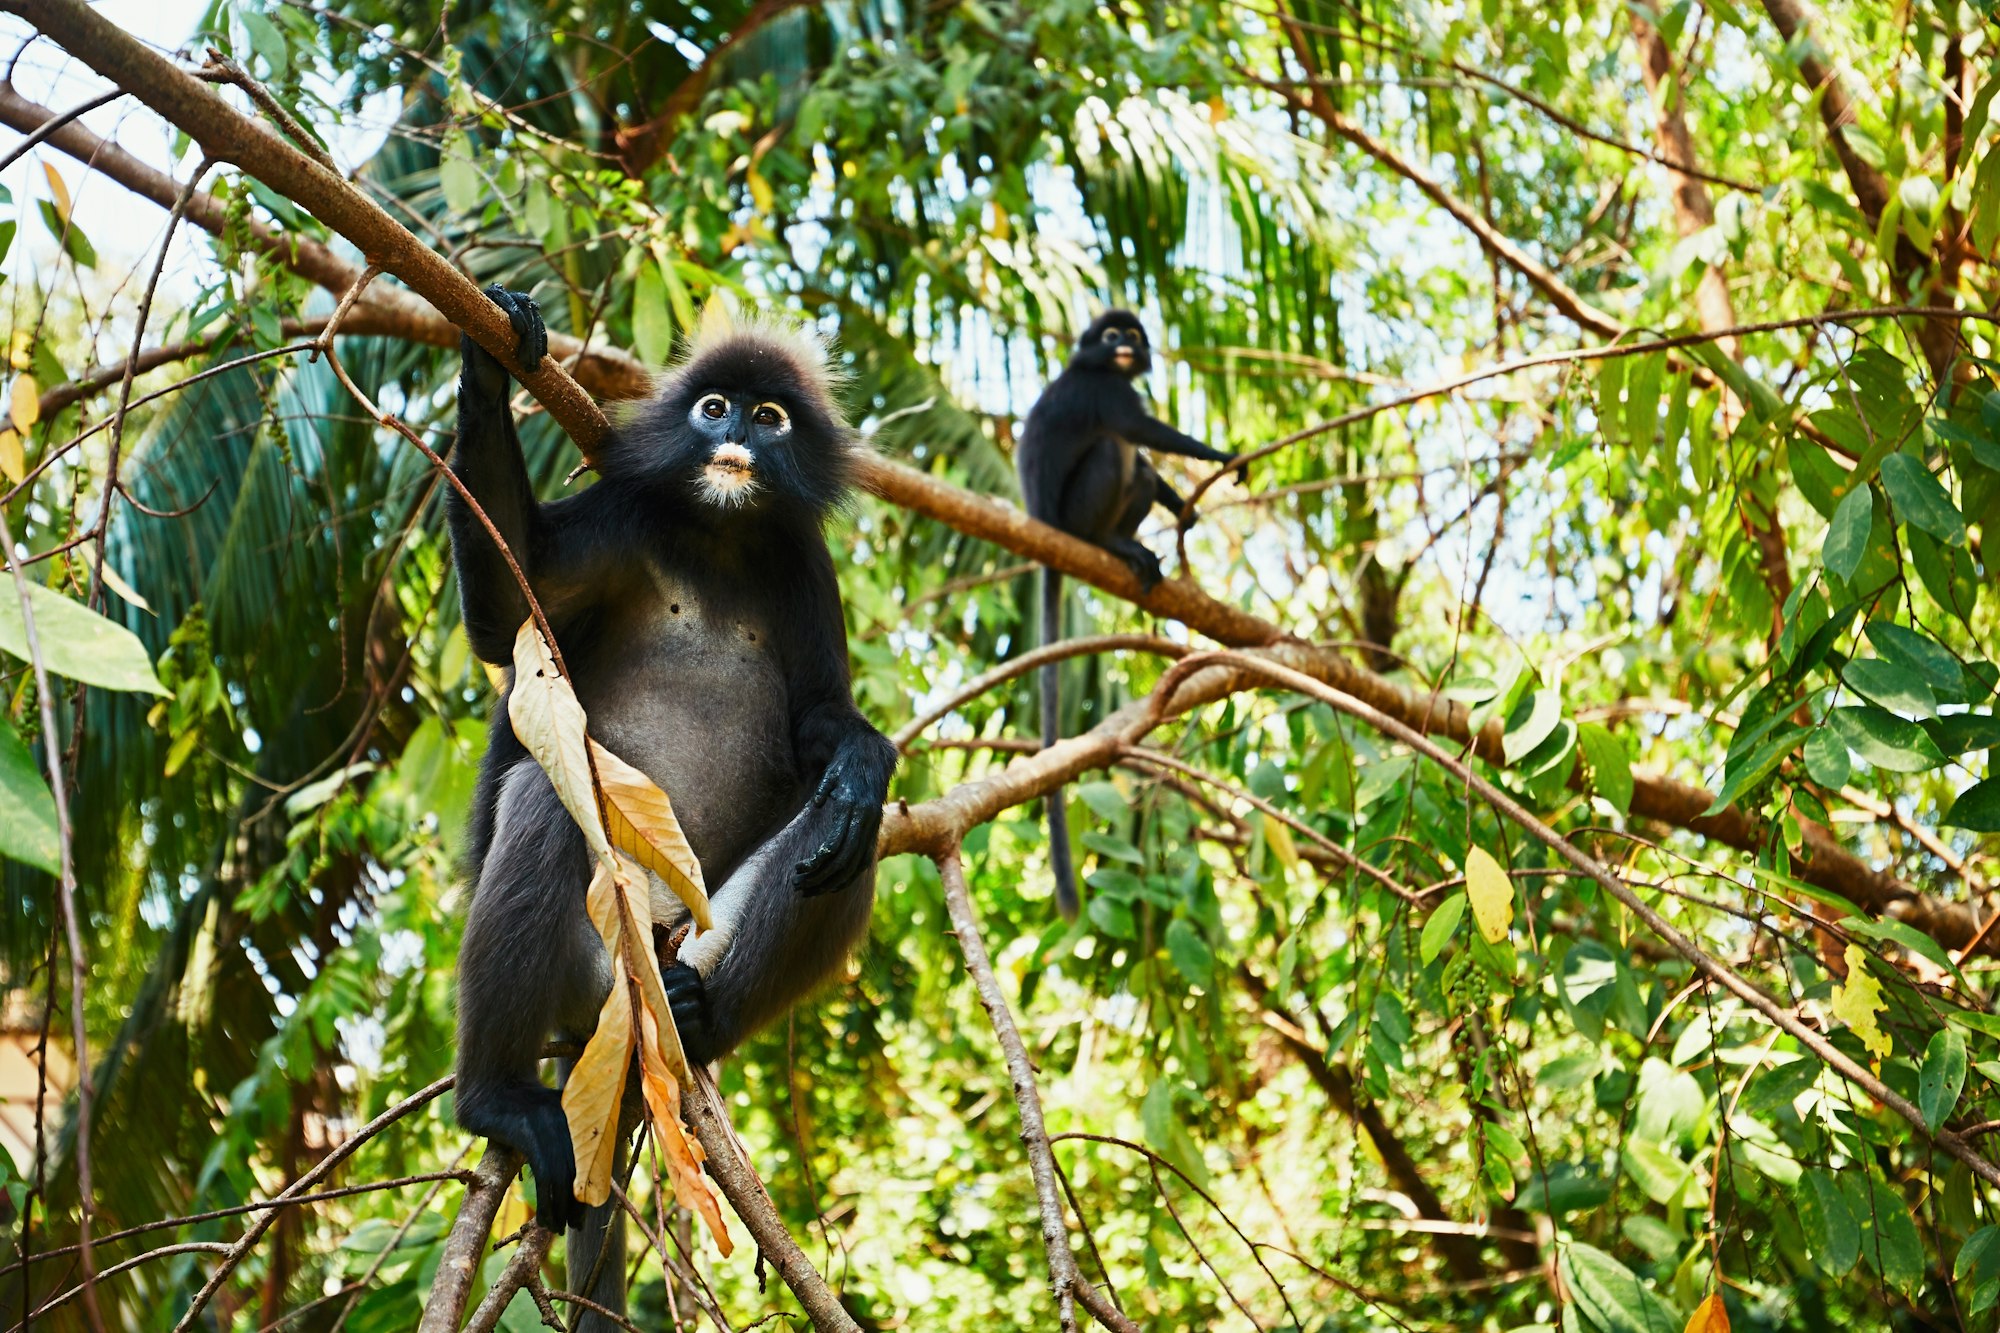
(1920, 501)
(1960, 733)
(1610, 411)
(1642, 402)
(1117, 849)
(77, 642)
(1977, 808)
(1887, 741)
(1741, 774)
(1443, 924)
(1532, 721)
(28, 811)
(464, 190)
(1662, 1176)
(1826, 759)
(1168, 1136)
(1892, 686)
(1191, 954)
(652, 322)
(1947, 573)
(1610, 767)
(1921, 654)
(1611, 1296)
(1979, 1258)
(1104, 799)
(1942, 1077)
(69, 235)
(1832, 1236)
(1112, 916)
(1889, 1240)
(1847, 536)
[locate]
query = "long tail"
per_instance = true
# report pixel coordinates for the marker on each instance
(1059, 858)
(594, 1253)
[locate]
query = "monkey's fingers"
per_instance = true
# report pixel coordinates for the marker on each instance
(531, 336)
(833, 864)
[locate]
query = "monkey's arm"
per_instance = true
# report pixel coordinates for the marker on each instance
(488, 460)
(1131, 420)
(853, 760)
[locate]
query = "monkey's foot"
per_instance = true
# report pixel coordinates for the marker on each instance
(687, 1000)
(1145, 566)
(528, 1117)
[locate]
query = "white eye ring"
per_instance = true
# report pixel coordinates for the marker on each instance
(713, 406)
(783, 424)
(1109, 335)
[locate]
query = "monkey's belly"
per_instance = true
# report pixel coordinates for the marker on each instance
(700, 706)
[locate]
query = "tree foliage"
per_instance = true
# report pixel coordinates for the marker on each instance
(1625, 393)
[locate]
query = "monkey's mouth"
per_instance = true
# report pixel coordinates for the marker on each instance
(730, 475)
(1122, 357)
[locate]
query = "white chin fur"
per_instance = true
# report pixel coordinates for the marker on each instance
(726, 486)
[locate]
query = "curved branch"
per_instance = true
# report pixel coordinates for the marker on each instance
(1026, 662)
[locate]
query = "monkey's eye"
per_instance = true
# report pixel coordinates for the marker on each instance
(770, 414)
(1111, 335)
(1138, 338)
(714, 407)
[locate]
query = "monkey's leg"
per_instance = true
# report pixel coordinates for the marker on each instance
(769, 948)
(530, 964)
(1101, 507)
(1167, 497)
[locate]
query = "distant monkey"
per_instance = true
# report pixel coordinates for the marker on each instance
(693, 597)
(1082, 471)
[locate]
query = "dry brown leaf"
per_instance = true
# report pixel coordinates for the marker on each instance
(591, 1096)
(640, 820)
(1709, 1316)
(24, 405)
(13, 459)
(550, 722)
(682, 1154)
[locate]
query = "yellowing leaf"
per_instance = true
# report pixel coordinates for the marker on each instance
(623, 913)
(58, 192)
(682, 1153)
(13, 462)
(1492, 895)
(495, 677)
(1857, 1000)
(1709, 1316)
(716, 319)
(761, 196)
(21, 349)
(24, 408)
(1279, 838)
(640, 820)
(550, 722)
(116, 582)
(591, 1096)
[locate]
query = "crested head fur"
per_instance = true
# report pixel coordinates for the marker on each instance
(784, 362)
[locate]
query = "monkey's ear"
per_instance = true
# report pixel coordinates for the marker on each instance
(717, 320)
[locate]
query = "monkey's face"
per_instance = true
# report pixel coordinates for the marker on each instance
(1115, 342)
(743, 435)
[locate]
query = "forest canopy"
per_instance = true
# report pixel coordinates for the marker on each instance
(1537, 845)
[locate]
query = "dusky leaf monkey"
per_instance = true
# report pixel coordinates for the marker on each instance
(1083, 471)
(693, 596)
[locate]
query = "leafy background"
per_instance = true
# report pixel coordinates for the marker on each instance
(1752, 562)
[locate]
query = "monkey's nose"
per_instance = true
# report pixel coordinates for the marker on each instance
(731, 457)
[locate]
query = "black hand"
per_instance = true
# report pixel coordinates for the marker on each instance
(687, 1000)
(850, 817)
(483, 370)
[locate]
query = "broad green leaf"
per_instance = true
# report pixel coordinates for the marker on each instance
(1745, 772)
(1662, 1176)
(1167, 1136)
(1833, 1237)
(27, 810)
(1611, 1296)
(76, 642)
(458, 177)
(74, 243)
(1892, 686)
(1979, 1258)
(1889, 1239)
(1977, 808)
(1642, 401)
(1847, 536)
(1942, 1077)
(1887, 741)
(1920, 501)
(1922, 654)
(1610, 768)
(1826, 758)
(1443, 924)
(1190, 952)
(1533, 719)
(652, 322)
(1960, 733)
(1610, 410)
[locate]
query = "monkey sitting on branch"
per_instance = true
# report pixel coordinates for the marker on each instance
(1082, 471)
(694, 600)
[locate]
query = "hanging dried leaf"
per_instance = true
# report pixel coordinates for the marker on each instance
(13, 459)
(681, 1152)
(24, 403)
(1709, 1316)
(591, 1096)
(640, 820)
(550, 722)
(58, 191)
(1492, 895)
